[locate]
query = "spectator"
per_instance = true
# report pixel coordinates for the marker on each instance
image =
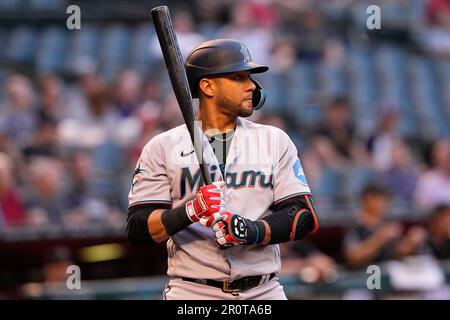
(437, 36)
(80, 172)
(45, 196)
(439, 231)
(45, 141)
(12, 210)
(57, 260)
(283, 61)
(84, 69)
(148, 117)
(337, 129)
(400, 178)
(245, 28)
(273, 119)
(171, 117)
(98, 125)
(17, 117)
(345, 164)
(381, 143)
(438, 13)
(374, 240)
(52, 274)
(187, 37)
(433, 186)
(311, 35)
(127, 92)
(51, 94)
(307, 262)
(84, 203)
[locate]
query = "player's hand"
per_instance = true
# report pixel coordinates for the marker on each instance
(208, 201)
(232, 229)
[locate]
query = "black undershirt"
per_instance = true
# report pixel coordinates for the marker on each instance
(220, 144)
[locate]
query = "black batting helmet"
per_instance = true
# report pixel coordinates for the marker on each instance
(222, 56)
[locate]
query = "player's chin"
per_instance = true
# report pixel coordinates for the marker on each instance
(246, 109)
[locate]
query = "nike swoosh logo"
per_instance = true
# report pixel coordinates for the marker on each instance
(186, 154)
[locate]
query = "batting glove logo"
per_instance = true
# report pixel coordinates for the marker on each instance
(230, 230)
(239, 226)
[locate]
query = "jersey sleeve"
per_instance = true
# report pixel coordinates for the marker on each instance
(289, 177)
(150, 184)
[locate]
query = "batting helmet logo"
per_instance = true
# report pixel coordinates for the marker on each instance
(245, 53)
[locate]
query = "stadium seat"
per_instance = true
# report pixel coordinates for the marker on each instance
(140, 58)
(47, 4)
(21, 44)
(114, 50)
(52, 48)
(82, 44)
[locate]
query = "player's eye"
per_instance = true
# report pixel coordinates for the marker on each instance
(240, 77)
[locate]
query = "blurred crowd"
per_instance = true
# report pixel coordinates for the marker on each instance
(70, 138)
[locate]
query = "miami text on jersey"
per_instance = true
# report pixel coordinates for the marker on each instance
(234, 180)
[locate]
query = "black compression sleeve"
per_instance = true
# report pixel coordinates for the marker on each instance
(175, 220)
(261, 231)
(292, 220)
(137, 223)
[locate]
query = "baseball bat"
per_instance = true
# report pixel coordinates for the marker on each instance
(175, 67)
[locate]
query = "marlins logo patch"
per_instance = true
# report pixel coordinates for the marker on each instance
(136, 177)
(298, 172)
(245, 53)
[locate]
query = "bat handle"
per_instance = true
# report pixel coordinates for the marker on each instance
(205, 174)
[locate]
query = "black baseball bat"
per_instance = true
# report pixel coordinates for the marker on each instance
(174, 63)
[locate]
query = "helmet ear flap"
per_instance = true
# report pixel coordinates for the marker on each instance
(259, 96)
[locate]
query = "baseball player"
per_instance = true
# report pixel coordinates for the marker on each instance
(222, 238)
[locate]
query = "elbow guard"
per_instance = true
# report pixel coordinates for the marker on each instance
(291, 223)
(292, 219)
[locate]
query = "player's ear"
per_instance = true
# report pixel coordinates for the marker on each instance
(207, 87)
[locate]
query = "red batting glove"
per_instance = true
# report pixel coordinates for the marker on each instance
(207, 202)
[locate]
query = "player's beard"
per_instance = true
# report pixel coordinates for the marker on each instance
(233, 107)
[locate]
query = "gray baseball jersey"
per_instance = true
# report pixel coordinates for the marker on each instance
(262, 169)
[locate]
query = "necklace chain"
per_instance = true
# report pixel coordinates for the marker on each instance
(217, 137)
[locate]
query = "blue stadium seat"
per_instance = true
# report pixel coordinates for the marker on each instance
(364, 87)
(275, 86)
(428, 98)
(12, 5)
(52, 49)
(114, 50)
(108, 163)
(334, 80)
(21, 45)
(392, 70)
(3, 76)
(443, 67)
(2, 42)
(304, 86)
(140, 57)
(83, 43)
(47, 4)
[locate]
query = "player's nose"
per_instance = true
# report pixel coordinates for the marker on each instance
(250, 85)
